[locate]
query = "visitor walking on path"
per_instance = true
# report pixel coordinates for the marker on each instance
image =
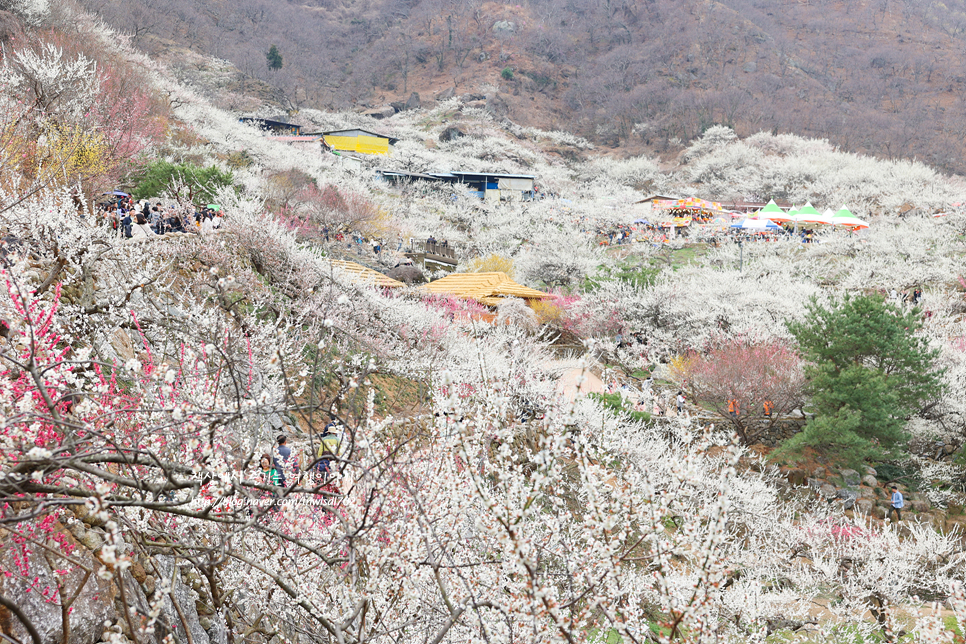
(897, 502)
(282, 458)
(680, 401)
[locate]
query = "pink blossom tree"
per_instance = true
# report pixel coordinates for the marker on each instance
(748, 384)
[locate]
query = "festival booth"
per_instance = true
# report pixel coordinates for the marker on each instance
(680, 213)
(690, 209)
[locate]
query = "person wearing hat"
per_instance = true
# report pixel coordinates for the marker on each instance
(897, 503)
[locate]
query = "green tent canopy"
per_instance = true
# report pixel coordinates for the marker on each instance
(774, 213)
(844, 217)
(844, 212)
(809, 209)
(771, 208)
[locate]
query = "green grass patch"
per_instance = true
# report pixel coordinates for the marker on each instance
(676, 258)
(634, 273)
(950, 623)
(604, 636)
(618, 405)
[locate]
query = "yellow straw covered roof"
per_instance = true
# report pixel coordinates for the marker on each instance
(360, 273)
(486, 288)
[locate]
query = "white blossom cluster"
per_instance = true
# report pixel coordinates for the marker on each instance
(148, 377)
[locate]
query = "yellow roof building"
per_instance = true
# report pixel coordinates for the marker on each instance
(363, 275)
(362, 141)
(485, 288)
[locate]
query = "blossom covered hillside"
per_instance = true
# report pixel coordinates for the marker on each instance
(213, 430)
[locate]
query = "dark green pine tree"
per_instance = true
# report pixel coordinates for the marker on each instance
(868, 371)
(273, 58)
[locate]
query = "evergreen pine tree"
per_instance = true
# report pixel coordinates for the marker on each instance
(273, 58)
(868, 371)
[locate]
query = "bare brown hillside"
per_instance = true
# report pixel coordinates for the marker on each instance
(881, 76)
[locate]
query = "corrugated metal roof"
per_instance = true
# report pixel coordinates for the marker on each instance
(360, 273)
(296, 139)
(357, 131)
(486, 288)
(403, 173)
(460, 173)
(653, 197)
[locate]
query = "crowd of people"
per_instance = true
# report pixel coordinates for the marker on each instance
(133, 219)
(701, 229)
(283, 466)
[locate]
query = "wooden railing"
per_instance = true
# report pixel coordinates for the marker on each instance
(441, 249)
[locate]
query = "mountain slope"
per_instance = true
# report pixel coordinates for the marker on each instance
(881, 76)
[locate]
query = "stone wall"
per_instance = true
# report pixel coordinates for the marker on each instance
(781, 430)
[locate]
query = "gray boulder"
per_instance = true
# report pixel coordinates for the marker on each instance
(407, 274)
(382, 113)
(865, 506)
(446, 94)
(186, 597)
(848, 497)
(797, 477)
(93, 606)
(497, 106)
(218, 631)
(413, 102)
(870, 480)
(851, 477)
(451, 134)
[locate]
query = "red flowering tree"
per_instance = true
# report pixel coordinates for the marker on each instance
(748, 384)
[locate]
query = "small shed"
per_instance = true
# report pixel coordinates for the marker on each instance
(364, 275)
(486, 288)
(358, 140)
(485, 185)
(493, 185)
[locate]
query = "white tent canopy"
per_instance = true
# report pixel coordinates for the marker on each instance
(756, 224)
